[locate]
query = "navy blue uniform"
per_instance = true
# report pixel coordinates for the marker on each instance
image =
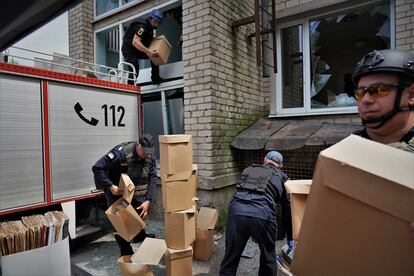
(253, 214)
(131, 54)
(143, 173)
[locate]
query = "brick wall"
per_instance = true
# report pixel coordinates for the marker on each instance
(404, 25)
(224, 91)
(80, 31)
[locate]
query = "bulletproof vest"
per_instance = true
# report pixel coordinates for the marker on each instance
(257, 178)
(136, 169)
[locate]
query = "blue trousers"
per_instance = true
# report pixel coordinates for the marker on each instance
(239, 230)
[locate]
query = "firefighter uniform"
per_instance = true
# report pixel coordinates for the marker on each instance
(143, 173)
(252, 213)
(145, 32)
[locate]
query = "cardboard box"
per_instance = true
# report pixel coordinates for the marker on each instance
(128, 268)
(122, 215)
(149, 253)
(358, 213)
(194, 180)
(179, 262)
(50, 260)
(299, 190)
(178, 190)
(176, 153)
(163, 48)
(204, 243)
(180, 228)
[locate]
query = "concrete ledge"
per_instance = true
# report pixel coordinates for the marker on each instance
(218, 182)
(307, 9)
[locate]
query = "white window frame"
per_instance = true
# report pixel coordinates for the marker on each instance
(115, 10)
(276, 81)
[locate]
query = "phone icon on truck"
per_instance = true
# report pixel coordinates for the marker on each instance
(78, 109)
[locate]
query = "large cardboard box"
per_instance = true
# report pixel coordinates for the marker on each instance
(299, 190)
(176, 153)
(122, 215)
(149, 253)
(50, 260)
(180, 228)
(179, 262)
(178, 190)
(163, 48)
(204, 244)
(358, 213)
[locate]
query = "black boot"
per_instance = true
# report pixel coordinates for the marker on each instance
(124, 246)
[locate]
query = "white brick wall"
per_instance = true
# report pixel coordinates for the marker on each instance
(404, 25)
(224, 90)
(80, 31)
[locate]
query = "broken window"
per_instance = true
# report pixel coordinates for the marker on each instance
(318, 55)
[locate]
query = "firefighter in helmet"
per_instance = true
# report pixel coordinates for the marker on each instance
(252, 213)
(385, 93)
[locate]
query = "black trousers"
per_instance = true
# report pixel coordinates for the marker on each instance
(155, 70)
(239, 230)
(125, 246)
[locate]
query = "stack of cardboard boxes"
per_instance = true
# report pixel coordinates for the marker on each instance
(178, 179)
(186, 230)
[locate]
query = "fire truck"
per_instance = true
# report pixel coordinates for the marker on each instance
(54, 125)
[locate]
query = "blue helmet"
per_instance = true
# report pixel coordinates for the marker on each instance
(156, 14)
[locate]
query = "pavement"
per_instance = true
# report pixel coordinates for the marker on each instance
(97, 254)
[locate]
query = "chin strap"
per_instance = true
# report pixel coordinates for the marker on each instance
(387, 116)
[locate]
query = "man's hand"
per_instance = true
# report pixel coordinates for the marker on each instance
(144, 209)
(152, 53)
(115, 190)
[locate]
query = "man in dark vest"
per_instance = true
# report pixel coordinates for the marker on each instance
(136, 41)
(138, 161)
(252, 213)
(385, 94)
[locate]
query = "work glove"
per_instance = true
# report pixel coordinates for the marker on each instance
(291, 245)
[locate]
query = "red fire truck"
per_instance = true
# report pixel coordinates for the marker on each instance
(53, 127)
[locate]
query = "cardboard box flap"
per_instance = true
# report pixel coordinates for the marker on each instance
(360, 157)
(363, 153)
(207, 218)
(163, 38)
(187, 211)
(126, 184)
(174, 254)
(302, 186)
(176, 176)
(172, 139)
(150, 252)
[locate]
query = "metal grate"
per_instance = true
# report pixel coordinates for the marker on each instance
(298, 164)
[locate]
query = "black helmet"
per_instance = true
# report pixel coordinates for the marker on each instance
(385, 61)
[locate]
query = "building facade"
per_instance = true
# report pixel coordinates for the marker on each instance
(214, 89)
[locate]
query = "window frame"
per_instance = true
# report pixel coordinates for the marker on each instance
(115, 10)
(277, 96)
